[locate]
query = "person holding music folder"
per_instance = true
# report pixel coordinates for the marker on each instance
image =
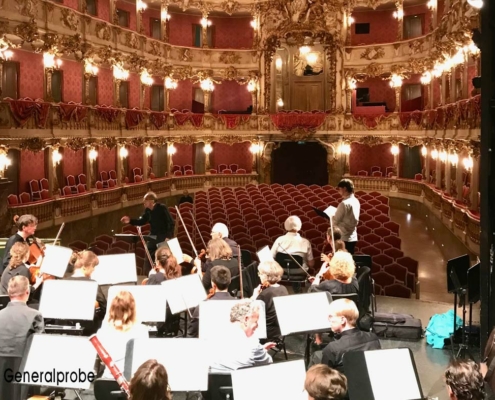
(346, 217)
(325, 383)
(270, 273)
(343, 315)
(220, 231)
(220, 281)
(120, 327)
(26, 225)
(161, 223)
(242, 349)
(150, 382)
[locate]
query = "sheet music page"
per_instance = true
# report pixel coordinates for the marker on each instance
(330, 211)
(184, 292)
(78, 299)
(67, 355)
(150, 300)
(174, 246)
(265, 254)
(392, 374)
(257, 383)
(184, 359)
(302, 312)
(215, 324)
(115, 268)
(56, 260)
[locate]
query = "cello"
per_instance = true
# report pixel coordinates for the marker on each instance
(35, 269)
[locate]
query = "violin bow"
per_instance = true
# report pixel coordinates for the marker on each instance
(197, 228)
(145, 247)
(240, 271)
(293, 259)
(187, 233)
(59, 233)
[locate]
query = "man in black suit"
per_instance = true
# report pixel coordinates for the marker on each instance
(26, 225)
(161, 222)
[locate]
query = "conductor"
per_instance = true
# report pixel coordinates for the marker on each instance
(160, 220)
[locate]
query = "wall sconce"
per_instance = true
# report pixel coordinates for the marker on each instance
(425, 78)
(90, 69)
(351, 84)
(165, 15)
(345, 149)
(434, 154)
(442, 156)
(205, 22)
(119, 73)
(395, 81)
(278, 64)
(146, 78)
(350, 20)
(123, 152)
(141, 6)
(254, 24)
(171, 149)
(56, 156)
(303, 50)
(255, 148)
(394, 149)
(207, 85)
(148, 150)
(93, 154)
(5, 53)
(208, 148)
(432, 4)
(468, 163)
(424, 151)
(453, 159)
(50, 62)
(475, 3)
(5, 162)
(399, 14)
(280, 103)
(252, 86)
(170, 84)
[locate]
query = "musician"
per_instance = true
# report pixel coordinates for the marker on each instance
(464, 380)
(327, 246)
(325, 383)
(150, 382)
(342, 268)
(19, 254)
(220, 281)
(166, 267)
(221, 231)
(160, 220)
(242, 349)
(346, 217)
(26, 225)
(220, 253)
(343, 315)
(120, 327)
(270, 273)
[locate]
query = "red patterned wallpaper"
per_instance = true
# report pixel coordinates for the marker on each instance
(31, 73)
(135, 159)
(238, 153)
(181, 33)
(73, 162)
(103, 10)
(107, 159)
(71, 4)
(131, 8)
(364, 157)
(230, 96)
(147, 15)
(418, 10)
(134, 88)
(32, 167)
(383, 27)
(105, 86)
(184, 154)
(232, 32)
(440, 8)
(181, 98)
(380, 91)
(73, 81)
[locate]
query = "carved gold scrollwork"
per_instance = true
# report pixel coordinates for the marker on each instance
(108, 142)
(230, 57)
(231, 139)
(373, 53)
(75, 144)
(32, 144)
(27, 31)
(27, 8)
(131, 40)
(371, 140)
(230, 6)
(103, 31)
(70, 19)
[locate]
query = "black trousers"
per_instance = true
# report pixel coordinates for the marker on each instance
(350, 246)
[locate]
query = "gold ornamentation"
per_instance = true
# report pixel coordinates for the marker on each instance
(231, 139)
(299, 134)
(230, 74)
(136, 62)
(230, 57)
(27, 31)
(108, 142)
(371, 140)
(70, 19)
(416, 46)
(184, 55)
(230, 6)
(136, 141)
(32, 144)
(75, 45)
(155, 48)
(131, 40)
(27, 8)
(183, 73)
(103, 31)
(189, 139)
(75, 144)
(373, 53)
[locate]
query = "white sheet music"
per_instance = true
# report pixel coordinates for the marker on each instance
(175, 249)
(115, 268)
(302, 312)
(265, 254)
(184, 359)
(392, 374)
(214, 321)
(184, 292)
(150, 301)
(257, 383)
(330, 211)
(56, 260)
(78, 299)
(67, 355)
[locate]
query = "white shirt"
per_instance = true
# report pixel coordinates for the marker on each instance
(293, 244)
(115, 343)
(346, 218)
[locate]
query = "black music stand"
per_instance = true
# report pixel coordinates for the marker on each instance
(474, 296)
(4, 300)
(133, 239)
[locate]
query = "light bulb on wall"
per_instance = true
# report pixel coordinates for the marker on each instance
(254, 24)
(148, 150)
(170, 84)
(278, 64)
(303, 50)
(255, 148)
(252, 86)
(205, 22)
(442, 156)
(93, 154)
(207, 85)
(395, 81)
(123, 152)
(56, 157)
(394, 149)
(141, 6)
(425, 78)
(208, 149)
(453, 159)
(171, 149)
(280, 103)
(350, 20)
(434, 154)
(165, 16)
(5, 161)
(399, 14)
(424, 151)
(345, 148)
(468, 163)
(146, 78)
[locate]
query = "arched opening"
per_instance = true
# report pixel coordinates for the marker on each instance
(300, 163)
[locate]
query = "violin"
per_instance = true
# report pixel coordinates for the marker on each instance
(211, 293)
(145, 281)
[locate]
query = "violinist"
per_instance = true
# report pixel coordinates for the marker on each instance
(220, 282)
(220, 231)
(342, 268)
(270, 273)
(26, 225)
(166, 267)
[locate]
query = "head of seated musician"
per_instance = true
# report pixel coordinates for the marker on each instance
(18, 321)
(220, 253)
(150, 381)
(325, 383)
(328, 251)
(239, 350)
(220, 231)
(26, 225)
(342, 269)
(464, 380)
(85, 264)
(166, 267)
(120, 326)
(19, 254)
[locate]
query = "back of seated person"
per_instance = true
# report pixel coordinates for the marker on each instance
(342, 269)
(219, 253)
(166, 267)
(464, 380)
(150, 382)
(19, 255)
(325, 383)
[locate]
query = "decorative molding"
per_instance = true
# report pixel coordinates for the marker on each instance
(373, 53)
(69, 19)
(32, 144)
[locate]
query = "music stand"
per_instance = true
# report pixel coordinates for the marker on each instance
(185, 360)
(4, 301)
(389, 374)
(55, 260)
(133, 239)
(474, 295)
(114, 269)
(59, 361)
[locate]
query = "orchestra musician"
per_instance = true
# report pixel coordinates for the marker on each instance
(220, 231)
(150, 382)
(327, 250)
(19, 254)
(120, 327)
(270, 273)
(166, 267)
(161, 223)
(220, 281)
(342, 268)
(325, 383)
(26, 225)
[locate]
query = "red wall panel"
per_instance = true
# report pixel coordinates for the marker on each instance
(181, 98)
(73, 81)
(134, 88)
(72, 4)
(230, 96)
(363, 157)
(73, 162)
(184, 154)
(131, 9)
(31, 74)
(421, 10)
(383, 27)
(32, 167)
(380, 91)
(181, 31)
(103, 10)
(232, 32)
(238, 153)
(107, 159)
(134, 159)
(105, 86)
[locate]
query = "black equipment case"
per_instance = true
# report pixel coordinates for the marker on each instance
(397, 326)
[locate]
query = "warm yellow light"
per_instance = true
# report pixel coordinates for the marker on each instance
(205, 22)
(208, 149)
(475, 3)
(252, 86)
(146, 78)
(312, 58)
(394, 149)
(171, 149)
(395, 81)
(424, 151)
(93, 154)
(120, 73)
(148, 150)
(56, 157)
(255, 148)
(303, 50)
(207, 85)
(123, 152)
(165, 16)
(345, 148)
(453, 159)
(468, 163)
(351, 83)
(141, 6)
(280, 103)
(443, 156)
(425, 78)
(350, 20)
(399, 14)
(434, 154)
(170, 84)
(278, 64)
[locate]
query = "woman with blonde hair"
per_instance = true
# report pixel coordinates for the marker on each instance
(19, 254)
(342, 268)
(121, 325)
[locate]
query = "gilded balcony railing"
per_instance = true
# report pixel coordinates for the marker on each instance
(460, 217)
(108, 197)
(74, 205)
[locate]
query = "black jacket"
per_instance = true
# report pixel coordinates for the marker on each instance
(6, 255)
(161, 222)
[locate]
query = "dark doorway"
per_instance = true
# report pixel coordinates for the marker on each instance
(300, 163)
(409, 161)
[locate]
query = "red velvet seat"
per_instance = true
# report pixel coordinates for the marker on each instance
(395, 241)
(397, 290)
(12, 199)
(393, 226)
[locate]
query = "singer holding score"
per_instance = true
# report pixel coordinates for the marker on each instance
(346, 216)
(160, 220)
